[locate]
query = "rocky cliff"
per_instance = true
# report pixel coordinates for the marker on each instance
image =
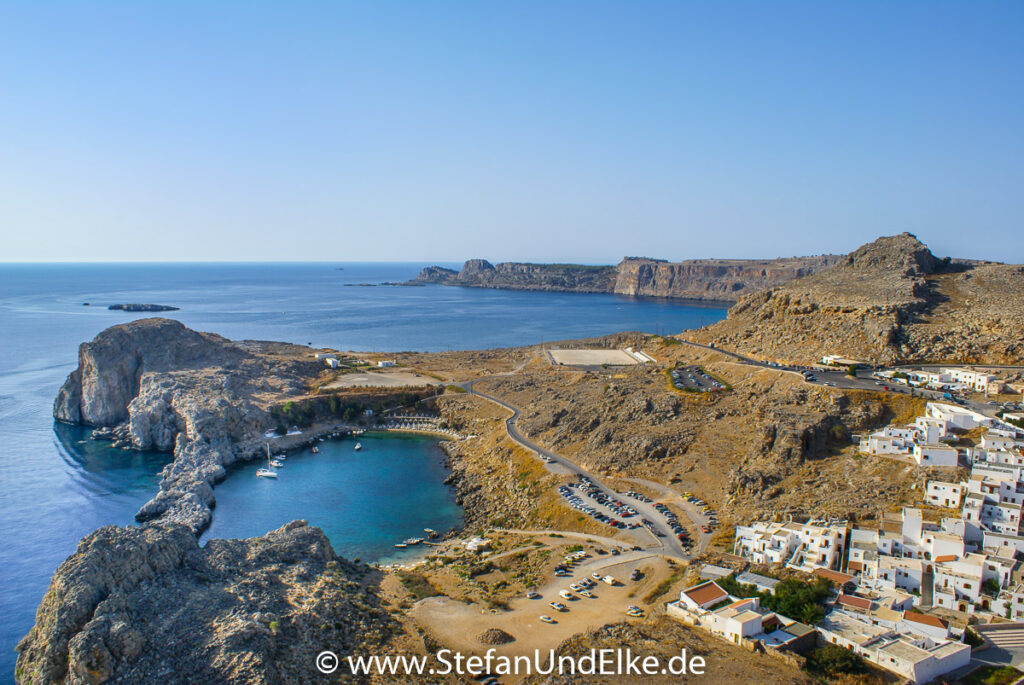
(890, 300)
(163, 386)
(143, 605)
(712, 279)
(697, 279)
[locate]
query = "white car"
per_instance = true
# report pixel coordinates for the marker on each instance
(595, 575)
(574, 587)
(558, 606)
(565, 594)
(548, 619)
(610, 580)
(586, 593)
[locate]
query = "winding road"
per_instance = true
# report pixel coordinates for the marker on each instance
(669, 545)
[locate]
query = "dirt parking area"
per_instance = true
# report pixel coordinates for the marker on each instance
(458, 625)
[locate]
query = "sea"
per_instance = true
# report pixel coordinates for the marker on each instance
(57, 485)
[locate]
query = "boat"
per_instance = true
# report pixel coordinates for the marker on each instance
(400, 545)
(315, 450)
(266, 473)
(358, 447)
(276, 464)
(430, 532)
(413, 541)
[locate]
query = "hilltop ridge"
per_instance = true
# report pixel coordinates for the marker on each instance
(888, 301)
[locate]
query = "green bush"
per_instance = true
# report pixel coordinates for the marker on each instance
(795, 598)
(834, 660)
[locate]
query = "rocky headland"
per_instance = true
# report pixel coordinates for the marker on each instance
(156, 384)
(889, 301)
(695, 279)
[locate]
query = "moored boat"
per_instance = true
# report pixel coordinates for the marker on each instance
(276, 464)
(358, 446)
(266, 473)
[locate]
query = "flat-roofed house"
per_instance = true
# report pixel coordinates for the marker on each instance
(942, 494)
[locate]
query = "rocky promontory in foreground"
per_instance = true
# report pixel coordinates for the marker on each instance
(135, 605)
(694, 279)
(888, 301)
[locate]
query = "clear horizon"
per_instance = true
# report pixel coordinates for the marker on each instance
(576, 132)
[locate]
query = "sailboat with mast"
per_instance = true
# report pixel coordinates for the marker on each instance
(266, 471)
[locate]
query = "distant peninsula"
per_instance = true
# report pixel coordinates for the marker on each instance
(693, 279)
(143, 308)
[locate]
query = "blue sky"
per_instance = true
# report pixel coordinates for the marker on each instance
(543, 131)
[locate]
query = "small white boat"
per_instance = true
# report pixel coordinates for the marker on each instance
(266, 473)
(400, 545)
(315, 450)
(430, 532)
(358, 447)
(276, 464)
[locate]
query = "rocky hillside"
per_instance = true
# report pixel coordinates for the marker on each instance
(770, 445)
(160, 385)
(696, 279)
(891, 300)
(136, 605)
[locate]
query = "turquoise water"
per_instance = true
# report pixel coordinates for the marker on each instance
(55, 488)
(364, 500)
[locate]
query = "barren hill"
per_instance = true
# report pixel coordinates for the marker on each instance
(890, 300)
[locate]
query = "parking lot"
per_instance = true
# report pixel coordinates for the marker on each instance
(695, 379)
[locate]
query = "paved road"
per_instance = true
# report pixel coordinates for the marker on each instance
(864, 380)
(669, 544)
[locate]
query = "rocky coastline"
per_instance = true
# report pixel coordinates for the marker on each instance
(125, 607)
(702, 280)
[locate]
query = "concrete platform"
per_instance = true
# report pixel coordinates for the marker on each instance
(592, 357)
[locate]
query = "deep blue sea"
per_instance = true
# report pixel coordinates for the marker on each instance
(56, 485)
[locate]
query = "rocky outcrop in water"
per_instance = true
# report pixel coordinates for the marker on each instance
(148, 605)
(143, 308)
(159, 385)
(696, 279)
(890, 300)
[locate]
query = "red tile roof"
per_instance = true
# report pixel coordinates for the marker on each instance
(925, 619)
(855, 566)
(834, 576)
(706, 592)
(859, 602)
(945, 557)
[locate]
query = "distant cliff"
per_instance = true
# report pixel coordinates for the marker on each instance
(696, 279)
(480, 273)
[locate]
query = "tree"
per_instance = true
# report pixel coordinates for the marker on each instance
(851, 370)
(833, 660)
